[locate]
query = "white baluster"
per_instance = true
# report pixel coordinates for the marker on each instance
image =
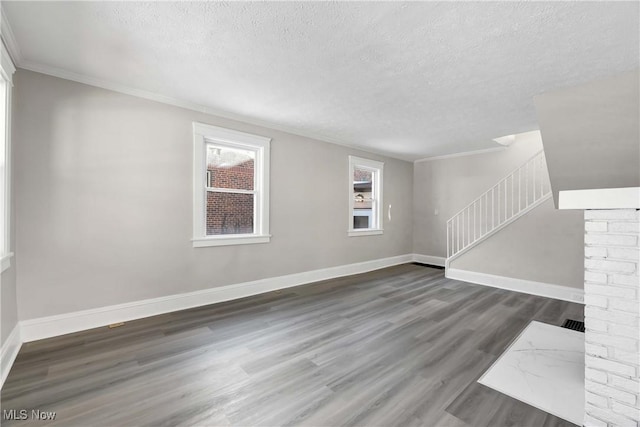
(474, 221)
(519, 189)
(512, 196)
(505, 199)
(526, 185)
(534, 180)
(457, 241)
(492, 208)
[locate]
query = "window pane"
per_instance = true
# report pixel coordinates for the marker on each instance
(229, 213)
(362, 194)
(230, 167)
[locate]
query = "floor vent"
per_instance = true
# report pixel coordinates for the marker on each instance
(574, 324)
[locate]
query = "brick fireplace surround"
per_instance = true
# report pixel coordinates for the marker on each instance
(612, 305)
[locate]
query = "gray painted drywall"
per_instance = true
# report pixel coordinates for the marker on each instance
(104, 202)
(447, 185)
(8, 293)
(8, 302)
(545, 245)
(537, 241)
(591, 134)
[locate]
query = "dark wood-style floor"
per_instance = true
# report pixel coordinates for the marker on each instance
(399, 346)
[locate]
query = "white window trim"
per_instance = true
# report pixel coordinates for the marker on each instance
(377, 168)
(5, 261)
(203, 134)
(6, 70)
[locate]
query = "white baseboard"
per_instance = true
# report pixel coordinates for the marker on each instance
(548, 290)
(51, 326)
(10, 349)
(429, 259)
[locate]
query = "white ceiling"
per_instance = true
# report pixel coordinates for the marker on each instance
(409, 79)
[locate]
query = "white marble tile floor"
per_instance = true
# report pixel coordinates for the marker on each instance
(543, 367)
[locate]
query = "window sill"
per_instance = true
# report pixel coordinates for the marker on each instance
(203, 242)
(5, 261)
(364, 232)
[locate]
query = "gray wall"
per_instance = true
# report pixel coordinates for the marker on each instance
(545, 245)
(591, 134)
(104, 202)
(538, 243)
(8, 302)
(8, 295)
(448, 185)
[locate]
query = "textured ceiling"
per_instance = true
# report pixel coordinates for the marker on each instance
(409, 79)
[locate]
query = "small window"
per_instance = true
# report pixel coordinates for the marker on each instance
(365, 197)
(231, 187)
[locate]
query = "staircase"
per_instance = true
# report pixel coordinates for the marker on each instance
(513, 196)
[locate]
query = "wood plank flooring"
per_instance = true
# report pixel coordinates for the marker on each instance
(400, 346)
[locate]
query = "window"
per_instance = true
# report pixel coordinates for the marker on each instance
(6, 72)
(365, 197)
(230, 187)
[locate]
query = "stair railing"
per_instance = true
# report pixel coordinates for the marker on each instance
(514, 195)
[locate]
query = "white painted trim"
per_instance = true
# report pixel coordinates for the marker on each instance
(514, 218)
(9, 39)
(548, 290)
(230, 136)
(600, 198)
(365, 232)
(377, 169)
(7, 69)
(429, 259)
(10, 349)
(366, 163)
(261, 146)
(506, 140)
(5, 262)
(51, 326)
(19, 61)
(461, 154)
(152, 96)
(6, 63)
(229, 190)
(230, 240)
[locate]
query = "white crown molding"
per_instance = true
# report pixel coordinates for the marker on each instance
(51, 326)
(21, 62)
(9, 352)
(462, 154)
(152, 96)
(531, 287)
(9, 39)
